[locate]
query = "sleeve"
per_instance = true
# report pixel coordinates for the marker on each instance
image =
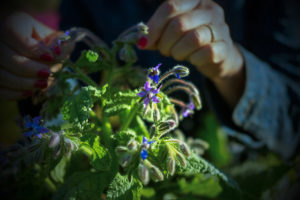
(268, 109)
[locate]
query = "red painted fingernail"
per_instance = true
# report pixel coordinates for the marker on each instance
(27, 93)
(43, 73)
(46, 57)
(57, 50)
(40, 84)
(142, 43)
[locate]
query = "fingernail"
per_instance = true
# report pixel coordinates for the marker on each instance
(40, 84)
(27, 93)
(43, 73)
(46, 57)
(57, 50)
(142, 43)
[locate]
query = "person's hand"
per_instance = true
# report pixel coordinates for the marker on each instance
(25, 58)
(195, 31)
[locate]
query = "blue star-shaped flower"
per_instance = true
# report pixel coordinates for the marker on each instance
(145, 146)
(149, 94)
(36, 128)
(154, 73)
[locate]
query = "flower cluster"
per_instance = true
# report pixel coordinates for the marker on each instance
(34, 127)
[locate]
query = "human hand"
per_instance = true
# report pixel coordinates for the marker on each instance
(27, 54)
(195, 31)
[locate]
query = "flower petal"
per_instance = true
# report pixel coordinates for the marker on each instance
(144, 139)
(28, 122)
(147, 86)
(157, 66)
(144, 154)
(36, 120)
(141, 94)
(155, 99)
(146, 101)
(177, 75)
(155, 78)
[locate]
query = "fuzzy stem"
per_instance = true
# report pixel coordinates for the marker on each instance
(180, 81)
(177, 88)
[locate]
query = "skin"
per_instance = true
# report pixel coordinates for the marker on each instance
(20, 56)
(195, 31)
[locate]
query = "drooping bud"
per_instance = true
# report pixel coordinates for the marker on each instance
(54, 140)
(143, 173)
(121, 149)
(132, 145)
(181, 71)
(125, 159)
(69, 144)
(196, 101)
(156, 173)
(165, 127)
(171, 165)
(181, 159)
(57, 151)
(143, 28)
(184, 149)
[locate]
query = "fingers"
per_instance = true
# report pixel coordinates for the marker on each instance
(207, 59)
(163, 14)
(13, 95)
(190, 42)
(23, 33)
(180, 25)
(13, 82)
(20, 65)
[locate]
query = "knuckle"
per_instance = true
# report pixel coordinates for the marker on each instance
(176, 55)
(177, 25)
(196, 38)
(169, 7)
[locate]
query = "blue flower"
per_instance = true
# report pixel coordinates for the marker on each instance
(145, 146)
(35, 128)
(149, 94)
(188, 110)
(154, 73)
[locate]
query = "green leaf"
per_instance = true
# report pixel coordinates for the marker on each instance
(59, 171)
(196, 164)
(101, 158)
(121, 188)
(201, 185)
(118, 101)
(89, 62)
(83, 185)
(77, 108)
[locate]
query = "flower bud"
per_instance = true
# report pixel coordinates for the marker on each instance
(181, 71)
(156, 174)
(69, 144)
(54, 140)
(121, 149)
(132, 145)
(156, 114)
(57, 151)
(171, 165)
(143, 28)
(196, 101)
(143, 173)
(181, 159)
(125, 159)
(184, 149)
(165, 127)
(92, 56)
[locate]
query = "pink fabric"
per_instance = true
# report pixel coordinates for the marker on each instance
(49, 18)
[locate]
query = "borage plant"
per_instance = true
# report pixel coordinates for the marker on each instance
(118, 138)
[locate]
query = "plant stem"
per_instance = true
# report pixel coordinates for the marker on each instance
(130, 117)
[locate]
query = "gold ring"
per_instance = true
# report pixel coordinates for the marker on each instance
(211, 32)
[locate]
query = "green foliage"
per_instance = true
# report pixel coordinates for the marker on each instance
(83, 185)
(77, 108)
(124, 188)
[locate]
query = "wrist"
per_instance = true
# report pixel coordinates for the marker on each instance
(231, 83)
